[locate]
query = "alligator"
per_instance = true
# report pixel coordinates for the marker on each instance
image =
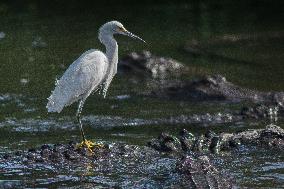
(119, 166)
(150, 65)
(217, 87)
(207, 88)
(178, 162)
(270, 137)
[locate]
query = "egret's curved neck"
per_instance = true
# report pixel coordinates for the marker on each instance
(112, 55)
(111, 47)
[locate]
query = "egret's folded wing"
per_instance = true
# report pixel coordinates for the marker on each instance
(82, 76)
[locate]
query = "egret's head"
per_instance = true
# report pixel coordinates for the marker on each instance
(115, 27)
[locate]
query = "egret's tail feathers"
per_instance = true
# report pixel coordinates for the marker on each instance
(58, 100)
(53, 106)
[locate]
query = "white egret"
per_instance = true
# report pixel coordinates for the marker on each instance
(93, 70)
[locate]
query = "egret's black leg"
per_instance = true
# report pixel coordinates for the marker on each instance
(86, 143)
(78, 115)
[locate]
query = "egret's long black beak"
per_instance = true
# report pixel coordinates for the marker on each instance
(133, 36)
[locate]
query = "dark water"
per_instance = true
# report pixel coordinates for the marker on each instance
(40, 39)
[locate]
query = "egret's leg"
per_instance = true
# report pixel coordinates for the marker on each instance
(78, 115)
(87, 143)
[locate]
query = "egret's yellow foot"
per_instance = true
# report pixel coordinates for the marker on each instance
(89, 145)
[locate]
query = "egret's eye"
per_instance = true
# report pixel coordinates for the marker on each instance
(120, 29)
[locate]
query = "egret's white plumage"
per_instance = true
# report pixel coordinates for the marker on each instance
(90, 71)
(81, 78)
